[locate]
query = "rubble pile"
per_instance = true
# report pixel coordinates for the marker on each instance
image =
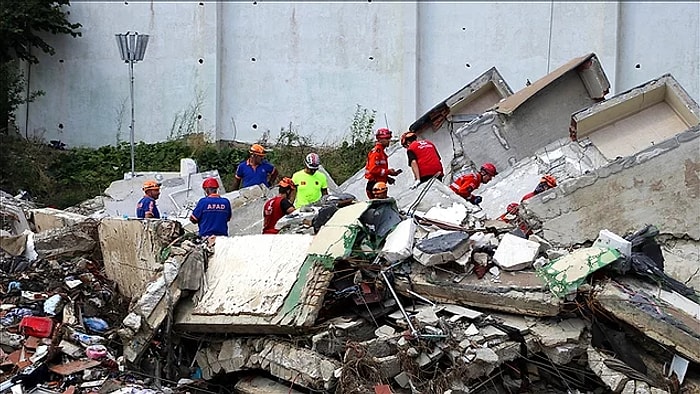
(583, 290)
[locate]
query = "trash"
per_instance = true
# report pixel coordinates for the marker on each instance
(53, 304)
(95, 324)
(36, 326)
(96, 352)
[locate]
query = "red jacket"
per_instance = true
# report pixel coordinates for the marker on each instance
(273, 211)
(377, 167)
(466, 184)
(427, 157)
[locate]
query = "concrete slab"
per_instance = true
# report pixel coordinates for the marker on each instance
(616, 381)
(67, 242)
(281, 359)
(271, 283)
(50, 218)
(131, 250)
(656, 185)
(635, 303)
(517, 292)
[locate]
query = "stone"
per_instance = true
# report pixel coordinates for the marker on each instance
(486, 355)
(442, 248)
(384, 332)
(427, 316)
(403, 380)
(480, 258)
(616, 381)
(515, 253)
(389, 366)
(471, 330)
(558, 333)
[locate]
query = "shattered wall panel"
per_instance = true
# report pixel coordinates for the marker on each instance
(252, 274)
(131, 250)
(660, 186)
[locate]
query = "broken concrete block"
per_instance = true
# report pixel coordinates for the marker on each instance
(261, 385)
(461, 312)
(384, 332)
(456, 214)
(564, 275)
(490, 332)
(608, 239)
(67, 242)
(616, 381)
(389, 366)
(403, 380)
(486, 355)
(281, 359)
(471, 330)
(399, 243)
(131, 250)
(558, 333)
(515, 253)
(518, 292)
(635, 303)
(442, 248)
(427, 316)
(50, 218)
(481, 258)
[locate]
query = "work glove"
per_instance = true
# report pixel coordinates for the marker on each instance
(390, 180)
(415, 184)
(476, 200)
(394, 172)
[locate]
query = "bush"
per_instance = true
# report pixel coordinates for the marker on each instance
(63, 178)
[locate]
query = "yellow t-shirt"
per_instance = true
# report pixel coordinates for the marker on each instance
(308, 187)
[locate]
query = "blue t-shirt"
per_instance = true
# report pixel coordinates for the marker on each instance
(147, 204)
(257, 176)
(212, 214)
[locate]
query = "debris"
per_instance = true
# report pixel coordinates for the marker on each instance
(442, 248)
(514, 253)
(565, 274)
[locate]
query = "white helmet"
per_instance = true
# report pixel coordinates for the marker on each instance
(312, 161)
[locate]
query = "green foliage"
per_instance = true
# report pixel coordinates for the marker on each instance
(23, 22)
(66, 178)
(13, 82)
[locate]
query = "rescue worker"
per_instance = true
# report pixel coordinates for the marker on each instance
(255, 170)
(380, 190)
(377, 167)
(423, 158)
(311, 184)
(278, 206)
(466, 184)
(547, 182)
(212, 212)
(146, 207)
(511, 213)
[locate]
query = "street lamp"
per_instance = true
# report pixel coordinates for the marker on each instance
(132, 47)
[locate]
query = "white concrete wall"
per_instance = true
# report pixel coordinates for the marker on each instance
(312, 61)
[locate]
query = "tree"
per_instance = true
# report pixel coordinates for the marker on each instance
(22, 24)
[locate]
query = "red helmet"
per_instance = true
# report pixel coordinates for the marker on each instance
(490, 169)
(407, 136)
(312, 161)
(513, 208)
(210, 183)
(383, 134)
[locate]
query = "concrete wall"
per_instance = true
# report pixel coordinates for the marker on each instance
(660, 186)
(315, 61)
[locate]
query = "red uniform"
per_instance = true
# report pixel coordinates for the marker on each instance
(377, 167)
(466, 184)
(273, 210)
(427, 157)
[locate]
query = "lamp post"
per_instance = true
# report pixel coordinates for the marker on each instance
(132, 47)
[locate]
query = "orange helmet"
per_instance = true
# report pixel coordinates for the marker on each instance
(287, 182)
(210, 183)
(383, 134)
(405, 137)
(379, 187)
(549, 180)
(257, 150)
(490, 169)
(150, 185)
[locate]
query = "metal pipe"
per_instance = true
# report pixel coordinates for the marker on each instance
(131, 133)
(414, 332)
